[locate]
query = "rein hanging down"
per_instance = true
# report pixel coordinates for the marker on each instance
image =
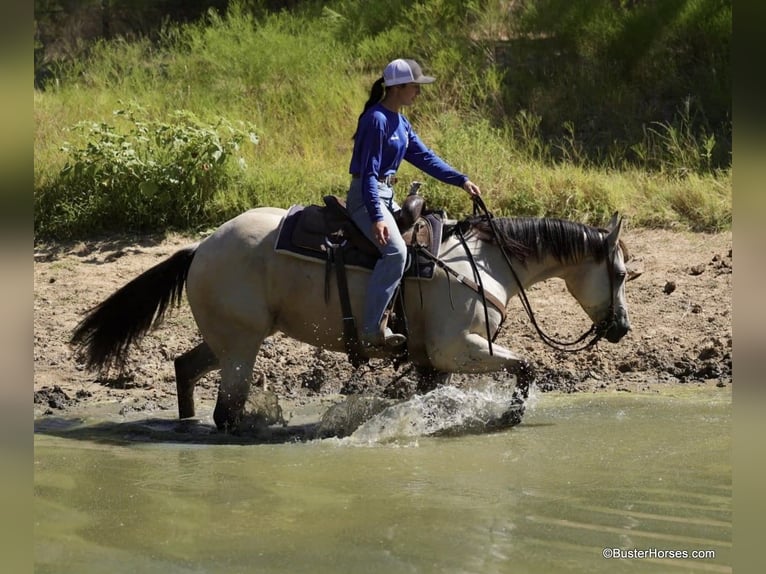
(597, 330)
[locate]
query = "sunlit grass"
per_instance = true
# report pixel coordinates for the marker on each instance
(302, 90)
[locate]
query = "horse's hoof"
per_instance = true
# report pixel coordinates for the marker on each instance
(513, 415)
(225, 422)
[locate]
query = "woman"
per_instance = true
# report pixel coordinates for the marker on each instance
(382, 140)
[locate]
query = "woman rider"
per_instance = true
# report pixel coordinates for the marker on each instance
(383, 138)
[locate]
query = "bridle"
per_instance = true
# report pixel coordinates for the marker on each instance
(596, 331)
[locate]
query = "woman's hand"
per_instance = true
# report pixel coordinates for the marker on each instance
(472, 189)
(380, 232)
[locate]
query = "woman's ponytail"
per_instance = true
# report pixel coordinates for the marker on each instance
(377, 92)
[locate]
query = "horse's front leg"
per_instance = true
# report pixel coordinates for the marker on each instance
(471, 354)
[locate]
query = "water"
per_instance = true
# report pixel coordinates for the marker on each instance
(580, 474)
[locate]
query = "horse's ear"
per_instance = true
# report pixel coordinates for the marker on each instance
(613, 221)
(614, 228)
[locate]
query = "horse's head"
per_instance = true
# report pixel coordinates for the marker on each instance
(599, 286)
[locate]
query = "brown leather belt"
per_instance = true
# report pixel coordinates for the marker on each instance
(388, 180)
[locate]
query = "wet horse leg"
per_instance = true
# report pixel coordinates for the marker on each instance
(236, 374)
(236, 349)
(190, 367)
(477, 354)
(471, 355)
(525, 376)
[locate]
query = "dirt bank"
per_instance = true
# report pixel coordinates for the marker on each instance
(680, 313)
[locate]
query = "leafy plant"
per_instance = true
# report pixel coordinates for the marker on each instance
(154, 175)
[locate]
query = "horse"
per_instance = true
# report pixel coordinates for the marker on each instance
(241, 290)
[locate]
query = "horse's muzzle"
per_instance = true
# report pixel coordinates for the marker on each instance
(616, 331)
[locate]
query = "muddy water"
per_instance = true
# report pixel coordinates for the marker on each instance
(580, 474)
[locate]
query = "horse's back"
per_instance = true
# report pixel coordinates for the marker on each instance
(241, 235)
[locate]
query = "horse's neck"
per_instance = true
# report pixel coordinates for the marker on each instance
(495, 270)
(534, 271)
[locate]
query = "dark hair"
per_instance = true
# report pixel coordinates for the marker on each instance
(377, 92)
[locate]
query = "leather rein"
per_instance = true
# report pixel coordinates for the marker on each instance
(597, 330)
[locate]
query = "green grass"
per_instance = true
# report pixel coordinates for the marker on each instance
(296, 80)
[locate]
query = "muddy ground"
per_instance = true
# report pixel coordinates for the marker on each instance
(680, 311)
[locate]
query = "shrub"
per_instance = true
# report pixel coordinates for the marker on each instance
(155, 175)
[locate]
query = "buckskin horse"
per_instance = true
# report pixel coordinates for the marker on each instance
(241, 290)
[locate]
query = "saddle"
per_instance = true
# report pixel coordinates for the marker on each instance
(312, 230)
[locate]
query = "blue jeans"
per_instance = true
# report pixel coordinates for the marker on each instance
(389, 269)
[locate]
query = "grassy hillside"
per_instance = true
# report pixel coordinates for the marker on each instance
(257, 108)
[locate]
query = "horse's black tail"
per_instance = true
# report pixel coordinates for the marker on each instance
(109, 328)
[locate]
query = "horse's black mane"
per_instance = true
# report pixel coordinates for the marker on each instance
(565, 240)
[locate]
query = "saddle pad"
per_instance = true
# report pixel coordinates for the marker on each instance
(296, 244)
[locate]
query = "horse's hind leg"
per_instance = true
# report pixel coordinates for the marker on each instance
(189, 368)
(236, 373)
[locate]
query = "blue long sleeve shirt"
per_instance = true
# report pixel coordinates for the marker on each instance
(383, 139)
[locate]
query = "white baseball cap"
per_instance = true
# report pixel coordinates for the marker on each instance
(404, 72)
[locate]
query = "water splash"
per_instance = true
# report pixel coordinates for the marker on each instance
(444, 411)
